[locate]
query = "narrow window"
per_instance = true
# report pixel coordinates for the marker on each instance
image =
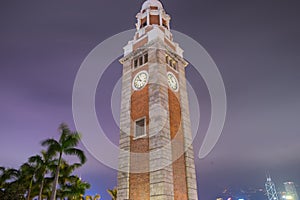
(135, 63)
(140, 128)
(174, 65)
(146, 58)
(143, 22)
(141, 60)
(171, 62)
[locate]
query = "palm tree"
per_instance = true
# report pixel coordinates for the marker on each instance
(27, 173)
(48, 182)
(75, 188)
(2, 178)
(65, 145)
(2, 182)
(88, 197)
(7, 174)
(66, 170)
(96, 197)
(65, 177)
(113, 193)
(7, 177)
(12, 185)
(43, 163)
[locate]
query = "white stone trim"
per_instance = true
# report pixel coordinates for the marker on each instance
(148, 18)
(155, 33)
(124, 156)
(186, 127)
(128, 48)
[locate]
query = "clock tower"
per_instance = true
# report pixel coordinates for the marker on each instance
(156, 159)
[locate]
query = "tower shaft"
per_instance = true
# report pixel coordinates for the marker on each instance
(156, 159)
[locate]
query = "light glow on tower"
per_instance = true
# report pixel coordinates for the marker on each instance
(271, 190)
(289, 197)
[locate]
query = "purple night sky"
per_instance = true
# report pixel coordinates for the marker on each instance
(255, 44)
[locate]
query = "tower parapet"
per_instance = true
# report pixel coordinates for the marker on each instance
(152, 23)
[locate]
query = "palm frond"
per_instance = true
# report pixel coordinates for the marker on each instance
(35, 159)
(63, 126)
(50, 142)
(53, 165)
(10, 173)
(76, 165)
(71, 141)
(47, 156)
(77, 152)
(64, 131)
(113, 193)
(53, 147)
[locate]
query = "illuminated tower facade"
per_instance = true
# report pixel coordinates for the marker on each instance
(291, 190)
(271, 189)
(156, 159)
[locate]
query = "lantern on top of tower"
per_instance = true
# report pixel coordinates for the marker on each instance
(152, 13)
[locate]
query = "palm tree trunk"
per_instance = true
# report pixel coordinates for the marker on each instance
(53, 193)
(42, 187)
(29, 189)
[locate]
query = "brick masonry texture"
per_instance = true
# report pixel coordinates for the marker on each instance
(139, 183)
(179, 173)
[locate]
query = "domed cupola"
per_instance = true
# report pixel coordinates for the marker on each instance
(152, 13)
(152, 4)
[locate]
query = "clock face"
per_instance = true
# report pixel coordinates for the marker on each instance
(140, 80)
(172, 80)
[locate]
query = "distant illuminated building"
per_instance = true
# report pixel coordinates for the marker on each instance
(271, 190)
(291, 191)
(287, 197)
(242, 194)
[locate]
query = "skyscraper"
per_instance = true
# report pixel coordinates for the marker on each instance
(156, 159)
(271, 189)
(291, 190)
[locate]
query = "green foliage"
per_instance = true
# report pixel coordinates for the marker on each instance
(113, 193)
(66, 145)
(74, 188)
(46, 173)
(11, 185)
(96, 197)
